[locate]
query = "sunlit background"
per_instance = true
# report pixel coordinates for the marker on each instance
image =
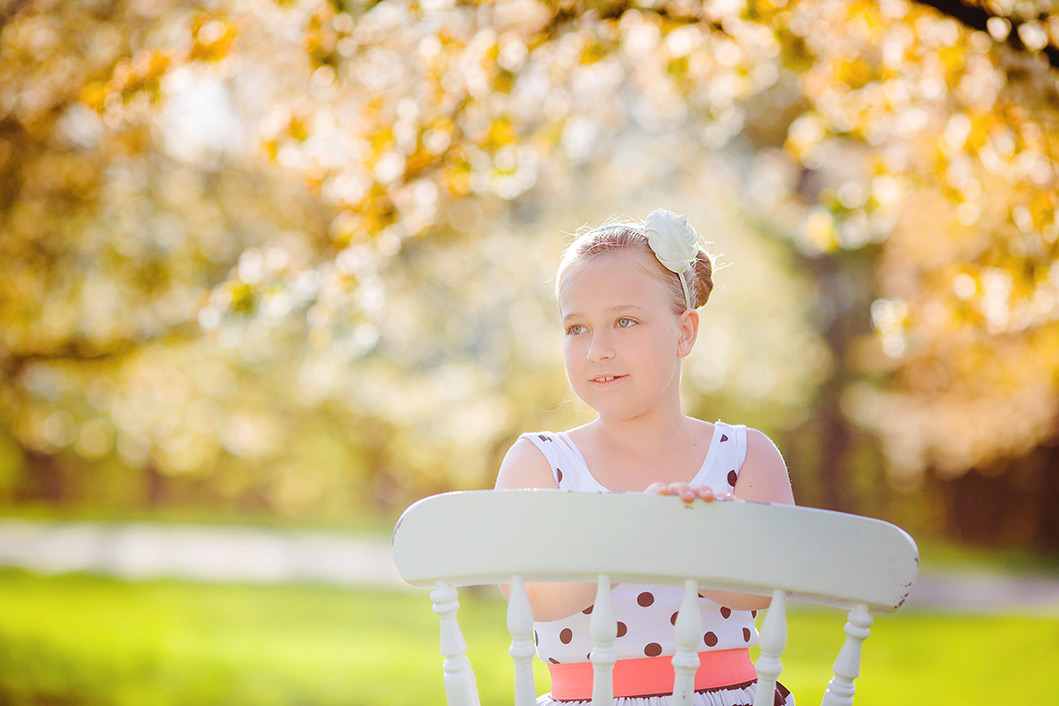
(288, 264)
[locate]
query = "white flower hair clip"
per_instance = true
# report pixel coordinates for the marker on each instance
(674, 242)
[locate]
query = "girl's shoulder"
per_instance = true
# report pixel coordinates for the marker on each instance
(556, 447)
(526, 464)
(764, 476)
(545, 459)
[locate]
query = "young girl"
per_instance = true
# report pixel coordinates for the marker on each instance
(628, 295)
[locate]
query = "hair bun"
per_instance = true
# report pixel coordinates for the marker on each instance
(702, 281)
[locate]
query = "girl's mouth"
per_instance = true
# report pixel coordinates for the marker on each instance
(606, 378)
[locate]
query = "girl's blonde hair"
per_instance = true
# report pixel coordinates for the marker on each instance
(616, 236)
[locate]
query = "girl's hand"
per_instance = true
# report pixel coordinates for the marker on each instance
(688, 493)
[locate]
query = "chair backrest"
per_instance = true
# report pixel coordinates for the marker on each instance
(452, 540)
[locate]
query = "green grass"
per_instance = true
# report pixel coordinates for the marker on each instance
(940, 553)
(80, 639)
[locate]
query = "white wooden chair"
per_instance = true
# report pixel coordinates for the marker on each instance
(451, 540)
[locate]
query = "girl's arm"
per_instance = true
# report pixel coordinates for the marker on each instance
(763, 478)
(525, 467)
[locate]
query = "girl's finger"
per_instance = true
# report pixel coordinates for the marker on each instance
(660, 488)
(705, 493)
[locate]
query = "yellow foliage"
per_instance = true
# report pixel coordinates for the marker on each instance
(501, 132)
(678, 67)
(94, 95)
(241, 297)
(138, 76)
(381, 140)
(593, 51)
(212, 34)
(820, 231)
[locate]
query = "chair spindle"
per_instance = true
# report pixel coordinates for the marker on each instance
(460, 686)
(772, 641)
(847, 666)
(604, 629)
(687, 635)
(520, 627)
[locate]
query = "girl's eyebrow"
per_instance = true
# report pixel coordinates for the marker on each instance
(614, 309)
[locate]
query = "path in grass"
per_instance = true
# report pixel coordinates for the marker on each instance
(143, 550)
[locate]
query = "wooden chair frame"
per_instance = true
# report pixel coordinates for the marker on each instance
(856, 563)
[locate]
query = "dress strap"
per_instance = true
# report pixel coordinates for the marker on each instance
(725, 466)
(557, 453)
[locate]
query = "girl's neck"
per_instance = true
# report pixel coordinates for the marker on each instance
(643, 434)
(629, 455)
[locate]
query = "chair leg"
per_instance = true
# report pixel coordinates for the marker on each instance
(460, 686)
(847, 666)
(520, 627)
(773, 640)
(604, 629)
(688, 636)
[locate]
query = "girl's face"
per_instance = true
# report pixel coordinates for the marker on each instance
(622, 341)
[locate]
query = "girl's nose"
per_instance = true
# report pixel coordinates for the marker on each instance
(600, 348)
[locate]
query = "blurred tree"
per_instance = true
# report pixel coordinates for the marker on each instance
(900, 156)
(117, 221)
(963, 372)
(1023, 25)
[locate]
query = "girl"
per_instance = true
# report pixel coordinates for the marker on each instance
(628, 294)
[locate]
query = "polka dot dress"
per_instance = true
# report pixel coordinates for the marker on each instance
(646, 614)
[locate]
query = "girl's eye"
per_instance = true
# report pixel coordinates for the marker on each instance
(574, 329)
(625, 322)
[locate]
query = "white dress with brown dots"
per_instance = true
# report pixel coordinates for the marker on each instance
(646, 613)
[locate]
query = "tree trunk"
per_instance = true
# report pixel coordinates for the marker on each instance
(1047, 528)
(45, 481)
(154, 486)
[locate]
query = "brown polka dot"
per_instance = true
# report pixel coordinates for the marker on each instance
(710, 639)
(724, 437)
(653, 650)
(553, 660)
(732, 478)
(566, 635)
(559, 474)
(542, 437)
(622, 629)
(645, 599)
(753, 613)
(746, 634)
(536, 640)
(726, 612)
(673, 618)
(588, 610)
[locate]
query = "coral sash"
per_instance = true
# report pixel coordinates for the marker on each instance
(650, 676)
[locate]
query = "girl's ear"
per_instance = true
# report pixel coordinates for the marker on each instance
(688, 331)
